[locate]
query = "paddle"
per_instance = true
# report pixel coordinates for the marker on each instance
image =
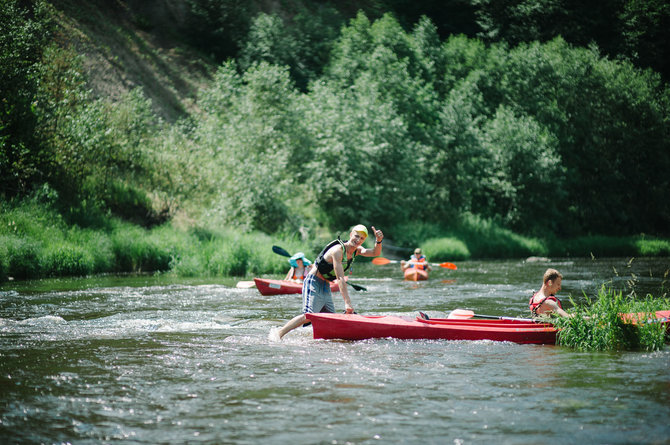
(465, 314)
(278, 250)
(380, 261)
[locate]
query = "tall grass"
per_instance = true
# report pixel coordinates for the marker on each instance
(599, 326)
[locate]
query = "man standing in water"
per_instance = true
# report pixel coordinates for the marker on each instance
(316, 295)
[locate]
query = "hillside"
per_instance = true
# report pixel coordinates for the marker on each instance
(132, 44)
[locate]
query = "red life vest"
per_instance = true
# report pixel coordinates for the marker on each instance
(535, 306)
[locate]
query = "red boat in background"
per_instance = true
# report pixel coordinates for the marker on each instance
(278, 287)
(361, 327)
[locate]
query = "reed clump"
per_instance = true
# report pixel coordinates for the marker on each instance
(599, 325)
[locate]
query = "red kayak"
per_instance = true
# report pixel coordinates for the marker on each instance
(360, 327)
(278, 287)
(414, 274)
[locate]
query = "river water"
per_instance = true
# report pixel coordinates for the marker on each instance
(159, 360)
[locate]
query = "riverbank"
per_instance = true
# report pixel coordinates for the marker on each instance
(36, 242)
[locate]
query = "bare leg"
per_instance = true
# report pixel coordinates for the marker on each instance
(295, 322)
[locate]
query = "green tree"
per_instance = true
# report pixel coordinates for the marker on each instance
(362, 168)
(217, 27)
(646, 34)
(303, 43)
(611, 123)
(23, 160)
(253, 147)
(528, 182)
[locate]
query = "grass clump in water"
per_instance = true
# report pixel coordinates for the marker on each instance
(599, 326)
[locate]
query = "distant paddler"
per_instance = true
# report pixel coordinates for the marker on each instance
(416, 260)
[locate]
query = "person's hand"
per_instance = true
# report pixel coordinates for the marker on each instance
(379, 236)
(348, 309)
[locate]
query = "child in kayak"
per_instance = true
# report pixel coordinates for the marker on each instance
(316, 295)
(300, 267)
(544, 301)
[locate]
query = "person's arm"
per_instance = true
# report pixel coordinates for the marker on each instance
(289, 275)
(555, 308)
(379, 236)
(339, 274)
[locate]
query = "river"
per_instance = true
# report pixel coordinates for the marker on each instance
(161, 360)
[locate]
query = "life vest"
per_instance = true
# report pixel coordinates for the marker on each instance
(325, 268)
(535, 306)
(417, 262)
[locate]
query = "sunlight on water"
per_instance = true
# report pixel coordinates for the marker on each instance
(142, 360)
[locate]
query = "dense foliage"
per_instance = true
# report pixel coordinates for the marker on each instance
(319, 119)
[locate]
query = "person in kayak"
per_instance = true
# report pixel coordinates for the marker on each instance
(417, 260)
(300, 267)
(316, 295)
(544, 301)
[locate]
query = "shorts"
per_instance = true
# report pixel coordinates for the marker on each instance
(316, 295)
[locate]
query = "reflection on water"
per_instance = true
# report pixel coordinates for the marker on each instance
(162, 360)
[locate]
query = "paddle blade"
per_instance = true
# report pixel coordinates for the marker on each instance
(451, 266)
(279, 251)
(461, 314)
(357, 286)
(245, 284)
(380, 261)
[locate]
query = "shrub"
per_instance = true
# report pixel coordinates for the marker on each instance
(64, 259)
(22, 257)
(485, 239)
(445, 249)
(653, 247)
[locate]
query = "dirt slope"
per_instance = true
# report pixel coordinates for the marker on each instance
(126, 44)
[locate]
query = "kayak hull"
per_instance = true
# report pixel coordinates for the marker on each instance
(280, 287)
(414, 274)
(359, 327)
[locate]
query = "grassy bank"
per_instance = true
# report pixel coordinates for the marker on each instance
(473, 237)
(36, 242)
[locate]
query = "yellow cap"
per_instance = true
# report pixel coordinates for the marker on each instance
(360, 228)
